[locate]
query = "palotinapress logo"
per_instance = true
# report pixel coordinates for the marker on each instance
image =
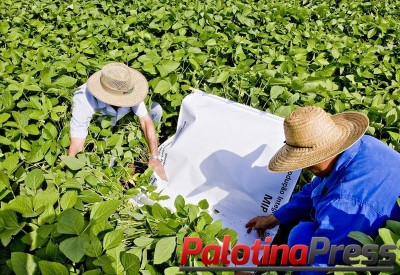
(264, 257)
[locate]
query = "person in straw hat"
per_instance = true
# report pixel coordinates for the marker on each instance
(356, 183)
(115, 90)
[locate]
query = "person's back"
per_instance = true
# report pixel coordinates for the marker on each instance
(374, 175)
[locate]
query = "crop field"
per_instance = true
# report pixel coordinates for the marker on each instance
(65, 215)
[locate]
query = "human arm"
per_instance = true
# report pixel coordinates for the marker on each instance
(83, 109)
(148, 128)
(299, 205)
(75, 146)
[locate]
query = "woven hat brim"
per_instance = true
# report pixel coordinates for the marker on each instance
(352, 127)
(138, 94)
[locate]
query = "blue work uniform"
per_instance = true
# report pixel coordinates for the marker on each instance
(359, 194)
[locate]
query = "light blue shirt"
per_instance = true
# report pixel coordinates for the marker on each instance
(360, 194)
(85, 105)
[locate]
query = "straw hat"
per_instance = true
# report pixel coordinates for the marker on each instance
(117, 84)
(313, 136)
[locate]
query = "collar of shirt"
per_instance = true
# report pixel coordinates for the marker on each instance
(327, 183)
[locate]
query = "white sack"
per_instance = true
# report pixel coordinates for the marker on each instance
(220, 153)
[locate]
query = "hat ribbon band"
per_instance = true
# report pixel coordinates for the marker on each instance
(295, 146)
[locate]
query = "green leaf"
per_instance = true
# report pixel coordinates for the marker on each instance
(72, 162)
(5, 187)
(164, 249)
(47, 216)
(36, 238)
(45, 198)
(388, 236)
(5, 141)
(32, 129)
(6, 102)
(371, 33)
(230, 232)
(143, 241)
(276, 91)
(91, 180)
(24, 263)
(92, 272)
(10, 163)
(100, 227)
(89, 196)
(49, 131)
(335, 53)
(158, 211)
(173, 270)
(283, 111)
(73, 184)
(34, 179)
(36, 154)
(339, 106)
(164, 229)
(4, 26)
(22, 204)
(391, 116)
(33, 87)
(94, 248)
(52, 251)
(394, 226)
(52, 268)
(69, 199)
(166, 67)
(131, 263)
(116, 267)
(213, 228)
(104, 260)
(361, 237)
(9, 226)
(203, 204)
(65, 81)
(394, 135)
(4, 117)
(179, 204)
(220, 78)
(74, 248)
(113, 239)
(70, 221)
(162, 87)
(292, 99)
(320, 60)
(103, 210)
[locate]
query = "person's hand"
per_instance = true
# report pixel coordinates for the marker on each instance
(261, 223)
(158, 168)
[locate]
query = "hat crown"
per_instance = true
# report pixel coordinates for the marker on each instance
(310, 127)
(116, 78)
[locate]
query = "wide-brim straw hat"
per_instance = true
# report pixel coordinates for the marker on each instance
(313, 136)
(117, 84)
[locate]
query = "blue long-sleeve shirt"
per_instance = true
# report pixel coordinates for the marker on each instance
(359, 194)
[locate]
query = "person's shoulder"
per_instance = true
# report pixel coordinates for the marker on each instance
(374, 149)
(81, 90)
(370, 141)
(82, 96)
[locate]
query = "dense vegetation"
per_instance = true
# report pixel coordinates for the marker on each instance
(60, 214)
